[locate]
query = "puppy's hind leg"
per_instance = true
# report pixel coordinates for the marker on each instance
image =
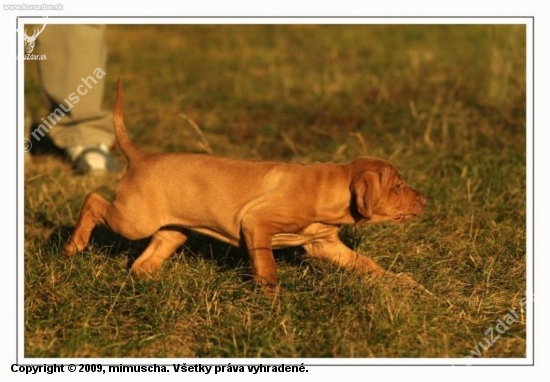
(122, 220)
(163, 244)
(93, 211)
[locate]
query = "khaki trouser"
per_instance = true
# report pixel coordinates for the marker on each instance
(73, 53)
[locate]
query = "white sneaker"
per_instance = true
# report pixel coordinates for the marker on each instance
(91, 159)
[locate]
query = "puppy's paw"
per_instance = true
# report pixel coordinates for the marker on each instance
(145, 269)
(403, 279)
(70, 249)
(395, 278)
(270, 291)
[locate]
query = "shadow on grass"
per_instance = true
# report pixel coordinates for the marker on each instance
(43, 145)
(226, 257)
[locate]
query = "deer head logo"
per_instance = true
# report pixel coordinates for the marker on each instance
(30, 41)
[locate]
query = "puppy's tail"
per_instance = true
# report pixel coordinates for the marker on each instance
(130, 151)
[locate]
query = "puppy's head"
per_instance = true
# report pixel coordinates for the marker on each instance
(379, 193)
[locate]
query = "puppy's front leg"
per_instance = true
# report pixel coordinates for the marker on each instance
(258, 240)
(332, 249)
(336, 252)
(329, 247)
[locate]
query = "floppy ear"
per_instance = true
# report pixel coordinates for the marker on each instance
(366, 190)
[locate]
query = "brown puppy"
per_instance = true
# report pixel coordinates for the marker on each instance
(256, 205)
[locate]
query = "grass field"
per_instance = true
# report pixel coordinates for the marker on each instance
(445, 103)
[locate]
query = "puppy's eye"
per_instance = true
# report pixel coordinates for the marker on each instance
(398, 186)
